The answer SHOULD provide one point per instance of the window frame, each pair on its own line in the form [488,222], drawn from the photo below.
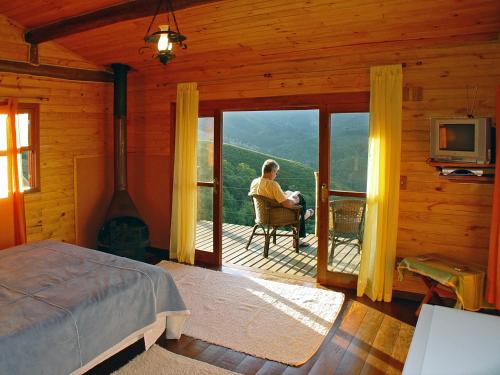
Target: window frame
[33,111]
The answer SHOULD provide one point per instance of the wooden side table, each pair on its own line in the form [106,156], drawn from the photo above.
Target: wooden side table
[463,282]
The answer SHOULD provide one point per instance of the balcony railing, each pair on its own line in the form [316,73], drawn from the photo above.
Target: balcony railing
[238,220]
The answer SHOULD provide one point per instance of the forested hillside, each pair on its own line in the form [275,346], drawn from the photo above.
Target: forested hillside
[240,167]
[291,138]
[293,135]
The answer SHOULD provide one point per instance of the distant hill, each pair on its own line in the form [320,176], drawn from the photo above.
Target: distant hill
[293,135]
[291,138]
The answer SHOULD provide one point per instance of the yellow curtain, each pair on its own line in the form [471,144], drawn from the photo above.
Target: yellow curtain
[493,274]
[12,216]
[184,195]
[382,194]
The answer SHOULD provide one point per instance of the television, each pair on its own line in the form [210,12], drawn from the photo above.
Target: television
[464,140]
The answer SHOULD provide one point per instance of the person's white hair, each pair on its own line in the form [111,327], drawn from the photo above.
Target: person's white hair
[269,166]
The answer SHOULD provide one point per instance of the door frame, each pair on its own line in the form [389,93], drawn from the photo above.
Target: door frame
[324,276]
[204,257]
[326,104]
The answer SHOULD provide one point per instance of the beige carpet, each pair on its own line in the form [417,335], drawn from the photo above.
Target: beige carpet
[277,321]
[158,361]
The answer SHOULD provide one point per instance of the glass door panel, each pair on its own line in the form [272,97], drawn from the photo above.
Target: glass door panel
[290,137]
[347,190]
[204,224]
[205,172]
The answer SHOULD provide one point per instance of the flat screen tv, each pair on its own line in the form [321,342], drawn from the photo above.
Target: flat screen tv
[464,140]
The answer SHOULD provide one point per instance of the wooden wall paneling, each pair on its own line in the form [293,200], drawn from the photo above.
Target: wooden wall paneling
[13,47]
[75,118]
[435,214]
[269,49]
[93,181]
[149,187]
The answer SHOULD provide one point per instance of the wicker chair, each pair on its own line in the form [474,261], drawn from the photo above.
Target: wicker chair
[347,224]
[269,216]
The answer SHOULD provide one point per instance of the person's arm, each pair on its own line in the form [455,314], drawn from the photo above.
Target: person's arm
[288,203]
[281,198]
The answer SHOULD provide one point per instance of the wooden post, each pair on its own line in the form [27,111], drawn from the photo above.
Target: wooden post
[33,54]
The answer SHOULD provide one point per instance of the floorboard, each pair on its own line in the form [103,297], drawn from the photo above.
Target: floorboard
[367,338]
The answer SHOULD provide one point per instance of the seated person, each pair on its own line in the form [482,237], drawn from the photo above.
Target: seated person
[266,186]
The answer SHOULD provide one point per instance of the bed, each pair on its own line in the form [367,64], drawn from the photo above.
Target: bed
[65,308]
[450,341]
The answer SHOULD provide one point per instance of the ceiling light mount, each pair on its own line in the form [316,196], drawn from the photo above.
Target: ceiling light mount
[162,41]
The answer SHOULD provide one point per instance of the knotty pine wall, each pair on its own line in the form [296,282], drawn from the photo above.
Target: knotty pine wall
[435,215]
[75,119]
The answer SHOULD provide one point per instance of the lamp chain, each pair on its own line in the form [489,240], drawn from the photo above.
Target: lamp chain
[153,19]
[171,10]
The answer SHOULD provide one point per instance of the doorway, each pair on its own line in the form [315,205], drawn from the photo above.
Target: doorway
[290,137]
[247,132]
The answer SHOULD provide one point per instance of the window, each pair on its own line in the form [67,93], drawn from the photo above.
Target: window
[28,146]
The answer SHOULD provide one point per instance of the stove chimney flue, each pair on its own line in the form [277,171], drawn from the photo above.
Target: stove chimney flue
[121,203]
[124,232]
[120,125]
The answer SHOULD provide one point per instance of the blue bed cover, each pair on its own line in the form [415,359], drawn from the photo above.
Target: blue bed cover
[62,305]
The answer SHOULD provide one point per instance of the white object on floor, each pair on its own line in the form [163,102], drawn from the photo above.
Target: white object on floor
[158,361]
[451,341]
[268,319]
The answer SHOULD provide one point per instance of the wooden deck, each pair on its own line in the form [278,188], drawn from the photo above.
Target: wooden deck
[282,257]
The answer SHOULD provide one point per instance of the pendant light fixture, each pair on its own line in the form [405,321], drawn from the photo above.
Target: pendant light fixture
[163,40]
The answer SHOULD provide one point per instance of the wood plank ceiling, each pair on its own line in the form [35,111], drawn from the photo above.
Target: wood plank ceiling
[242,31]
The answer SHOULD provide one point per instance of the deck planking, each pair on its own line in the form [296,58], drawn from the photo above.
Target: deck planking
[282,256]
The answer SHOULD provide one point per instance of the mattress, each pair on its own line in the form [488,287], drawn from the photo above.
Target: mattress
[451,342]
[62,305]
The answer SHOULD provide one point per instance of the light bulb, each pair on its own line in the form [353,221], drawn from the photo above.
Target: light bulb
[163,42]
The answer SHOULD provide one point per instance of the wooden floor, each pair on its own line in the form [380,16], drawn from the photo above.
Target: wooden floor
[365,341]
[367,338]
[282,257]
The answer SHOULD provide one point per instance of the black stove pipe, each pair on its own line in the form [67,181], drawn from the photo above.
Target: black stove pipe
[121,203]
[120,125]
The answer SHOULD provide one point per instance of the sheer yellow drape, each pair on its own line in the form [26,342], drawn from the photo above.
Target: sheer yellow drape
[382,194]
[12,216]
[184,196]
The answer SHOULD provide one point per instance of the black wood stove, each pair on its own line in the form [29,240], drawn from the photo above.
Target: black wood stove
[124,233]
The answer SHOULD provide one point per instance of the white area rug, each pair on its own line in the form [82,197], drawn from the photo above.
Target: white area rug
[268,319]
[158,361]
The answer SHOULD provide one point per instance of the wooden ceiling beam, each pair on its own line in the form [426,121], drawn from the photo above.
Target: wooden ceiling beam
[103,17]
[73,74]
